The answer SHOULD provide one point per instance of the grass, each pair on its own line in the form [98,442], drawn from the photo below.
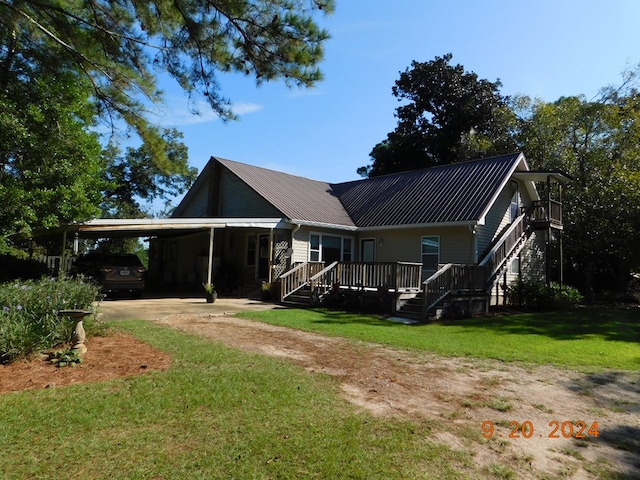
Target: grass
[586,339]
[217,413]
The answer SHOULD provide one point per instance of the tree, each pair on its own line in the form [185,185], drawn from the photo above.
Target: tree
[449,115]
[65,64]
[597,143]
[138,175]
[117,45]
[50,166]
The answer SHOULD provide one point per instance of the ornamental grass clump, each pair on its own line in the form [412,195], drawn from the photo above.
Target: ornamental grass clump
[29,314]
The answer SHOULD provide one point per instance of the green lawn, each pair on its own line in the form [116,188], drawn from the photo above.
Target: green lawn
[586,339]
[217,413]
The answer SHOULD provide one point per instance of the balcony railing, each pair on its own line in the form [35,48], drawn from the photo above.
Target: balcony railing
[548,212]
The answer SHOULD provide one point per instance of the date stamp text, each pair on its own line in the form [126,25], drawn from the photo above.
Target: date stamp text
[556,429]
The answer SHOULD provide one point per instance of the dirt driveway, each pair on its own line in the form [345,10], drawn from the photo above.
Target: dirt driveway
[455,395]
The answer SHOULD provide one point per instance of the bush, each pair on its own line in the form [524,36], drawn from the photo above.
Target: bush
[29,319]
[538,295]
[13,268]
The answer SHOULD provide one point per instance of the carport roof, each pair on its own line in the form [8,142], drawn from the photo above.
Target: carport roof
[143,227]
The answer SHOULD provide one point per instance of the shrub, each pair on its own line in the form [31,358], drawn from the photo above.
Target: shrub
[29,318]
[13,268]
[538,295]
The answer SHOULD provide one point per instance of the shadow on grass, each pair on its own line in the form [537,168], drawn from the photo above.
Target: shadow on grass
[340,317]
[610,323]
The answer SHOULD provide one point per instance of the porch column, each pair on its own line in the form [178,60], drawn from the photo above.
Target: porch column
[270,275]
[210,269]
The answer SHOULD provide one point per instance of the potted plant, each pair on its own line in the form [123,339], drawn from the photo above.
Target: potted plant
[210,292]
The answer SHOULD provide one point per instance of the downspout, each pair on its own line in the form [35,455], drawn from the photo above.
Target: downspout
[293,236]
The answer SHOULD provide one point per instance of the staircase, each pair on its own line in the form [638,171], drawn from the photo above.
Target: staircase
[412,308]
[468,287]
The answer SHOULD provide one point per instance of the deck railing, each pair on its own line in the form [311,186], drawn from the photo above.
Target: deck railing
[296,278]
[453,278]
[396,276]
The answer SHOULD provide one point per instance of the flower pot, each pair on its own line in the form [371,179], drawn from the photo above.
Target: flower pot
[211,297]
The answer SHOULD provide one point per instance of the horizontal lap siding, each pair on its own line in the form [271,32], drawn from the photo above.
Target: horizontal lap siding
[241,201]
[199,205]
[456,245]
[495,221]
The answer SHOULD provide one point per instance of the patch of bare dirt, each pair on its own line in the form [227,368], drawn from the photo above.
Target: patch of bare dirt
[458,395]
[116,356]
[454,395]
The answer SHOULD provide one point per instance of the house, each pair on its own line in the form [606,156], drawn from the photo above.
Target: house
[426,234]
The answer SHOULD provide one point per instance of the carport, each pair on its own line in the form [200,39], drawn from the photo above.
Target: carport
[159,228]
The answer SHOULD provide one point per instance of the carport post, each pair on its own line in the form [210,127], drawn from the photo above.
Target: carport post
[64,244]
[210,270]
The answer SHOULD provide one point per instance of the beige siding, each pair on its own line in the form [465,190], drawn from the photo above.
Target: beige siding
[456,245]
[239,200]
[495,221]
[198,205]
[532,258]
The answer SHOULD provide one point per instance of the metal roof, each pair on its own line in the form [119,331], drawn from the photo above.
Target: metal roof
[300,199]
[459,193]
[455,193]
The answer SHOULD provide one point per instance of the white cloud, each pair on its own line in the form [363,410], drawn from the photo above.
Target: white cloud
[180,113]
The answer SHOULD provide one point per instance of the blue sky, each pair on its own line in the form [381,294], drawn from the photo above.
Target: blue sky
[541,48]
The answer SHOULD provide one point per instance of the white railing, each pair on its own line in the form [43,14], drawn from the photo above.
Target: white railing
[296,278]
[453,278]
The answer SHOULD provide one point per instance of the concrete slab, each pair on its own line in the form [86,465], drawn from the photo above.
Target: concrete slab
[153,308]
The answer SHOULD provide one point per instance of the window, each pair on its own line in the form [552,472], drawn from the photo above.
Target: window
[314,248]
[430,253]
[251,250]
[515,266]
[330,248]
[514,206]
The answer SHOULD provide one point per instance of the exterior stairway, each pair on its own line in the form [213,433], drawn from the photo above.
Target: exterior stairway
[412,309]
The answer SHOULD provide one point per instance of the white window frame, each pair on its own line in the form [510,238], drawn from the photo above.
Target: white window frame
[342,239]
[422,254]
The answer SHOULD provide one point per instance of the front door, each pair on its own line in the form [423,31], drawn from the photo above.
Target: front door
[263,257]
[368,250]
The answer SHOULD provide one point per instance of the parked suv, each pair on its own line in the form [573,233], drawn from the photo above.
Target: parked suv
[115,273]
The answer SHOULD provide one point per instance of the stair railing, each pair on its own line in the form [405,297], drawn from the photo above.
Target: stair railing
[452,278]
[511,243]
[322,282]
[298,277]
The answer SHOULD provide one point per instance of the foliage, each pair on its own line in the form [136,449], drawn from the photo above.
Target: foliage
[118,46]
[29,319]
[50,166]
[12,268]
[209,287]
[141,175]
[66,357]
[585,338]
[448,115]
[536,294]
[597,143]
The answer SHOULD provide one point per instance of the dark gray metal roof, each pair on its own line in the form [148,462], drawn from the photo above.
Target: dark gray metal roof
[455,193]
[298,198]
[460,192]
